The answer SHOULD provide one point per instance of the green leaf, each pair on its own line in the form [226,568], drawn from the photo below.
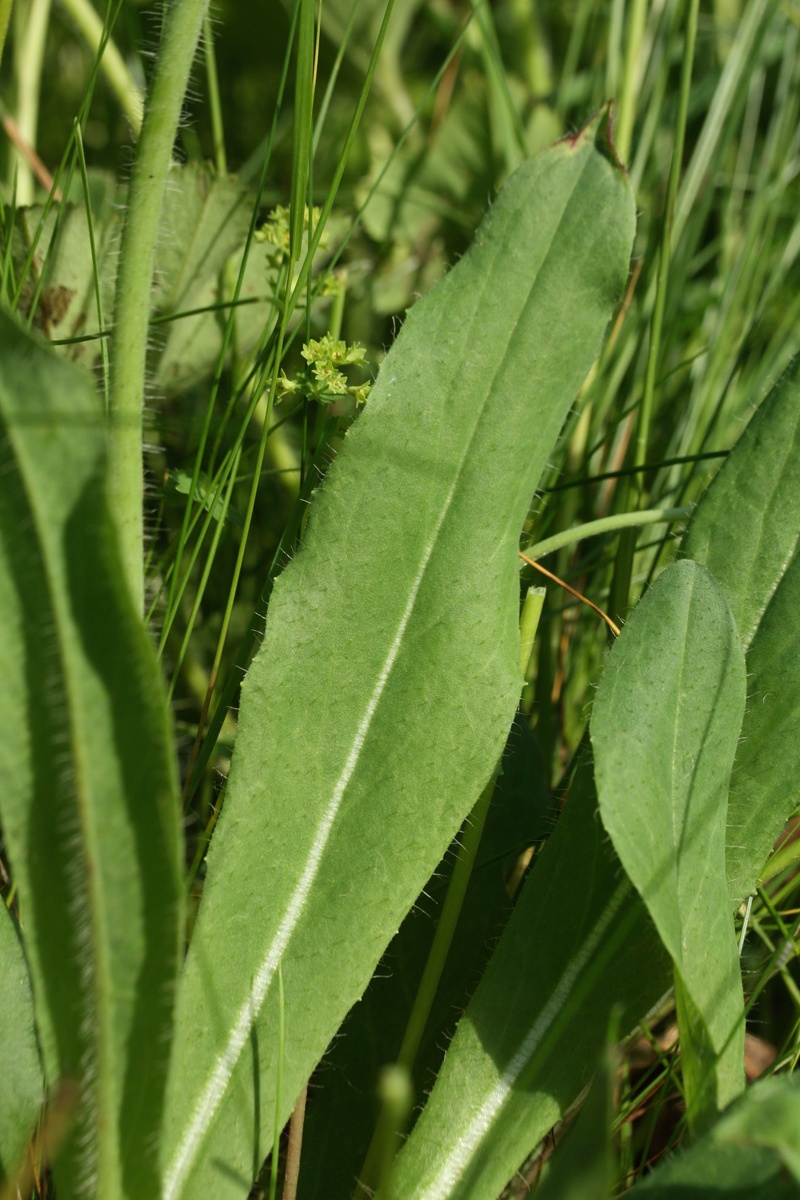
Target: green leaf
[180,483]
[746,530]
[88,806]
[22,1091]
[205,221]
[67,306]
[764,785]
[579,946]
[382,695]
[664,729]
[343,1105]
[752,1153]
[204,226]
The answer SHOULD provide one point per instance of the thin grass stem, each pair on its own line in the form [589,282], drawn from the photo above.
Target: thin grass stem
[98,300]
[96,34]
[665,248]
[214,103]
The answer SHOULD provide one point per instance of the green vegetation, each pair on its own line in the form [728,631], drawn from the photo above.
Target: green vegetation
[308,779]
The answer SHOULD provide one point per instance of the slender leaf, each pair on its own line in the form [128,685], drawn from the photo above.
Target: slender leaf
[746,531]
[752,1153]
[88,805]
[22,1092]
[665,725]
[578,947]
[344,1105]
[583,1167]
[382,695]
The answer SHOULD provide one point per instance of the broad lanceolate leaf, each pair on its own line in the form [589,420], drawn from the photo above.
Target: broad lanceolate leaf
[578,947]
[88,806]
[21,1083]
[664,729]
[383,693]
[752,1153]
[746,530]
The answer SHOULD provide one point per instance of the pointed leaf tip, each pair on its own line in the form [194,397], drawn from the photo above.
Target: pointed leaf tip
[600,130]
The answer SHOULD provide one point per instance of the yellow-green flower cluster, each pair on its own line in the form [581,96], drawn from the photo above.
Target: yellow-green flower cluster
[275,230]
[323,379]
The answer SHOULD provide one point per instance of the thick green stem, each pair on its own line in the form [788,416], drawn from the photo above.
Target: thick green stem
[182,25]
[612,524]
[529,619]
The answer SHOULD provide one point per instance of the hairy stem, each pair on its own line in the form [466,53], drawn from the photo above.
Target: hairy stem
[182,25]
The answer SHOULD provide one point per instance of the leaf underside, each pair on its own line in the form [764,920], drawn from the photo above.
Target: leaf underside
[665,725]
[746,530]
